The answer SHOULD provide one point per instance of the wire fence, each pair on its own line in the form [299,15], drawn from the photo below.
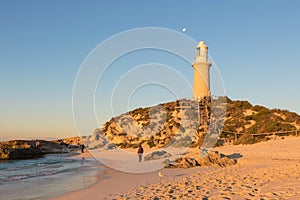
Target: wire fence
[277,133]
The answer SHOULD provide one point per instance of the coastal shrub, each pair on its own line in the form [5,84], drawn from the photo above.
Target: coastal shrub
[234,123]
[135,145]
[242,104]
[248,139]
[297,120]
[219,143]
[262,115]
[125,145]
[253,129]
[290,116]
[228,114]
[151,143]
[258,108]
[122,145]
[228,100]
[270,126]
[249,117]
[228,127]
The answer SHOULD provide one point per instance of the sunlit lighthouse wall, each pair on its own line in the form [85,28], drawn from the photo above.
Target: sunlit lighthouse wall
[201,67]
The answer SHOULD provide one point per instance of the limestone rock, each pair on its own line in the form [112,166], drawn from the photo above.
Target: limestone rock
[48,147]
[213,158]
[20,153]
[25,149]
[95,141]
[183,162]
[157,155]
[110,146]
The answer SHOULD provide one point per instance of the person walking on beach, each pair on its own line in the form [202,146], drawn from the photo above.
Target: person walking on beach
[82,147]
[140,153]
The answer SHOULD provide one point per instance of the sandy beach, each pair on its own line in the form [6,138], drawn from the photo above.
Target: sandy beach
[266,170]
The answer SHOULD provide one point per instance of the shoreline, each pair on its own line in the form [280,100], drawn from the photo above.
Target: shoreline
[46,177]
[121,182]
[261,172]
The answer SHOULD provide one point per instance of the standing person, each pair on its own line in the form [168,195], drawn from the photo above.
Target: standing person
[82,147]
[37,143]
[140,152]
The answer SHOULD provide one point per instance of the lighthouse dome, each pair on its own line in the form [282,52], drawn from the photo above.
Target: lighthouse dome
[201,44]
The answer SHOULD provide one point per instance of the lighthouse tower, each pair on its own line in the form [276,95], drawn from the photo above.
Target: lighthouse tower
[201,67]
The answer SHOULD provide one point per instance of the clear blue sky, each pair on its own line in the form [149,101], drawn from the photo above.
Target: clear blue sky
[255,44]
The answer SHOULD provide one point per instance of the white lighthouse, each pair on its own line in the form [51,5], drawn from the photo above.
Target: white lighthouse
[201,67]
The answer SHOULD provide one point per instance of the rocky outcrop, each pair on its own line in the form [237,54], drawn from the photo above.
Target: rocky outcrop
[26,149]
[76,141]
[97,140]
[172,124]
[16,144]
[157,155]
[48,147]
[213,158]
[157,126]
[110,146]
[20,153]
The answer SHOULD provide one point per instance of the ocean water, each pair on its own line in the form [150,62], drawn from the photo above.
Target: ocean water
[45,177]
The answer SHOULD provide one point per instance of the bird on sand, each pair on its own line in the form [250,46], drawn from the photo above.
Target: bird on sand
[160,175]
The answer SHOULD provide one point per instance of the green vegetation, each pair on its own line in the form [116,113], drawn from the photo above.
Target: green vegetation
[151,143]
[242,104]
[258,108]
[263,115]
[270,126]
[262,120]
[125,145]
[248,139]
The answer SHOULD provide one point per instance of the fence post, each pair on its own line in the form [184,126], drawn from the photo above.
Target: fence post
[235,137]
[296,132]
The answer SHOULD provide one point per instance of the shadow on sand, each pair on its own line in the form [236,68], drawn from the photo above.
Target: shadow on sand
[235,156]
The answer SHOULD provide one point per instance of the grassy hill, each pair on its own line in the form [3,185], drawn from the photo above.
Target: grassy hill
[241,116]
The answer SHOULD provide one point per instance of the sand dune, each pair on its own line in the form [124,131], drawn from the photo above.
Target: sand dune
[267,170]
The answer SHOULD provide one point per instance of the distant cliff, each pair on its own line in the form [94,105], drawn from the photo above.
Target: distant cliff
[159,125]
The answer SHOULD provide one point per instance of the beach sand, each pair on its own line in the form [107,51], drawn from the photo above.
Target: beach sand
[266,170]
